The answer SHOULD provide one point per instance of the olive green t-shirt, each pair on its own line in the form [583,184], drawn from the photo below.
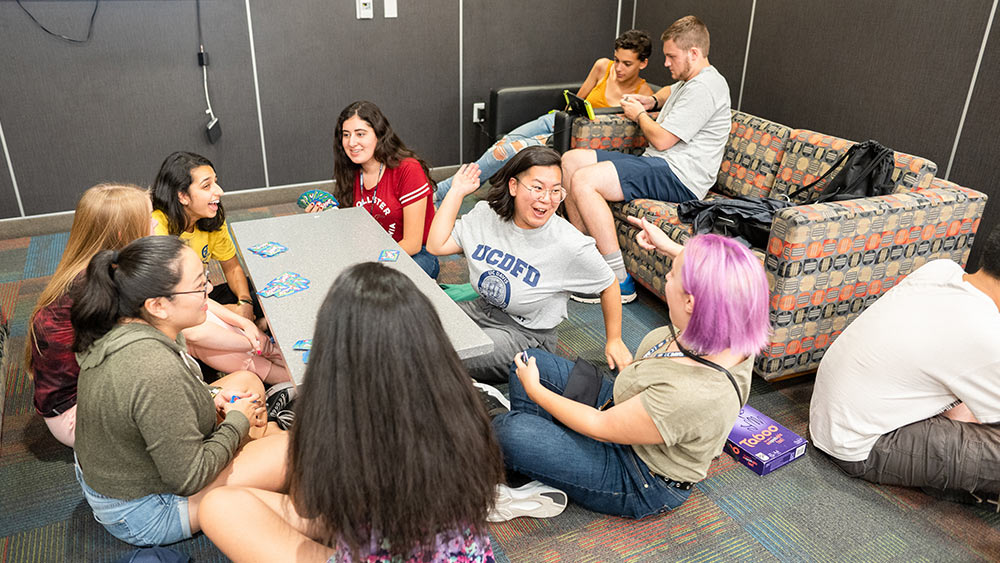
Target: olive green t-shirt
[693,407]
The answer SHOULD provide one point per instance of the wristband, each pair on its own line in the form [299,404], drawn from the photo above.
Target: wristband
[656,104]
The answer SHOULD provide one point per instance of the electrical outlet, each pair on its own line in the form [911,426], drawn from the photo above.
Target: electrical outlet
[478,112]
[366,10]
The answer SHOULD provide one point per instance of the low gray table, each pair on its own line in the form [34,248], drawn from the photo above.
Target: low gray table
[320,247]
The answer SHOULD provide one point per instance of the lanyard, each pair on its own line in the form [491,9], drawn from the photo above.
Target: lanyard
[661,344]
[378,178]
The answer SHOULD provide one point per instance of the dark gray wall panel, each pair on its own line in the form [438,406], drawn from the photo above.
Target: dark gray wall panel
[979,147]
[896,71]
[75,115]
[529,42]
[316,59]
[8,200]
[727,20]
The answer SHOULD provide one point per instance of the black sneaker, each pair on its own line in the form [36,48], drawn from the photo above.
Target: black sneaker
[494,401]
[279,398]
[991,503]
[285,419]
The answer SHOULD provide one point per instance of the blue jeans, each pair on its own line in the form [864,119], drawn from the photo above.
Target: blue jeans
[427,262]
[150,520]
[603,477]
[534,132]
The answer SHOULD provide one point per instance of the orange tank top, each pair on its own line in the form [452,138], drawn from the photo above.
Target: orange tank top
[596,96]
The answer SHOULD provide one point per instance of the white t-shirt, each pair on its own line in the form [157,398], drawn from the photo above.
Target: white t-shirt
[529,273]
[698,113]
[925,345]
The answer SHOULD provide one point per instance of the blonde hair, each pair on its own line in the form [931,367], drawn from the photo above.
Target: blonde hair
[108,217]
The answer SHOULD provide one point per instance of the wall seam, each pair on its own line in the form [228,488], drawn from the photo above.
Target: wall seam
[461,80]
[618,20]
[746,56]
[10,169]
[256,92]
[972,86]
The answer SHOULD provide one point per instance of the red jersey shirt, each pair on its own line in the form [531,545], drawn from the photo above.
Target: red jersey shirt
[399,187]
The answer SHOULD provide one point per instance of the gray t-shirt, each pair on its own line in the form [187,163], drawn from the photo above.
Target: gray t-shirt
[529,273]
[698,113]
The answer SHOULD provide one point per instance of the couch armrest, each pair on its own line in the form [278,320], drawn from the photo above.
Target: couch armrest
[512,107]
[826,263]
[609,131]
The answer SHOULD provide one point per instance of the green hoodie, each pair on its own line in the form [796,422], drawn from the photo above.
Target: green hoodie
[145,420]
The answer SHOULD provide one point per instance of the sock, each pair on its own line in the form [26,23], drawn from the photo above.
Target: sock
[617,264]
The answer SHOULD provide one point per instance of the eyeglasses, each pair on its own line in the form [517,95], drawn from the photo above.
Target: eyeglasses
[555,194]
[205,289]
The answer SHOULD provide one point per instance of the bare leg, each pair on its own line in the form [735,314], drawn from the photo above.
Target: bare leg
[248,381]
[260,464]
[571,162]
[593,187]
[269,528]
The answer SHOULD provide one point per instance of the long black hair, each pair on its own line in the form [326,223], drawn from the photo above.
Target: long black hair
[118,283]
[389,150]
[499,196]
[391,438]
[174,177]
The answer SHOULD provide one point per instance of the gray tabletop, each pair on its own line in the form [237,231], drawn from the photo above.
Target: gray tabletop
[320,247]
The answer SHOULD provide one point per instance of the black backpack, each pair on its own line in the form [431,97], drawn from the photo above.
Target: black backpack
[866,172]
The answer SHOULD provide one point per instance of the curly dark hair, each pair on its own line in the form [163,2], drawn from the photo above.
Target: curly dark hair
[635,40]
[389,150]
[392,438]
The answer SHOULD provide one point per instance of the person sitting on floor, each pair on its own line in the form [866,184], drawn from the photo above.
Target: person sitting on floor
[107,217]
[187,203]
[186,199]
[639,446]
[149,440]
[604,87]
[391,456]
[909,393]
[374,170]
[686,145]
[524,261]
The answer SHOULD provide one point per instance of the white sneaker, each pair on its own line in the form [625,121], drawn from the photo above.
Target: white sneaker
[534,499]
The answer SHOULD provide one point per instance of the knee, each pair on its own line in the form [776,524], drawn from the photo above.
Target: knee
[247,380]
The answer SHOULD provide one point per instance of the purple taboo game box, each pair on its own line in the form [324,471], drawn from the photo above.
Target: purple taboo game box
[762,444]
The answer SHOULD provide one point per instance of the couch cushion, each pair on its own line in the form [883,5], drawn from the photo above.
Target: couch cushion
[808,155]
[753,155]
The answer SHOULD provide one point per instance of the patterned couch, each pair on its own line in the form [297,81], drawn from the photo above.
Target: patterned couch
[825,263]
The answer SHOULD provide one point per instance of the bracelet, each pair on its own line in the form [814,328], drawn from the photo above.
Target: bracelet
[214,390]
[656,104]
[242,301]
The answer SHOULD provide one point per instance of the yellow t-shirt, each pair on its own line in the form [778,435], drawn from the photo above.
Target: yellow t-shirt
[216,244]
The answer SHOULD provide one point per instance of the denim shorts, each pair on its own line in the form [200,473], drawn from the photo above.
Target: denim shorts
[150,520]
[646,177]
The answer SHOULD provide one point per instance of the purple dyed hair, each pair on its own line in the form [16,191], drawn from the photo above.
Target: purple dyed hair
[730,296]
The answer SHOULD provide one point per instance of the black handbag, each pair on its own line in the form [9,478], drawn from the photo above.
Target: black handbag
[742,217]
[866,172]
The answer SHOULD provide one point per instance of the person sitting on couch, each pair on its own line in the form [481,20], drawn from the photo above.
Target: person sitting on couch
[909,393]
[686,145]
[604,87]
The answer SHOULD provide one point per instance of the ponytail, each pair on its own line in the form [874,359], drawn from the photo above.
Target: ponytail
[117,285]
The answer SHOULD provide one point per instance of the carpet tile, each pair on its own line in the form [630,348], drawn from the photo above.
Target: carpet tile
[805,511]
